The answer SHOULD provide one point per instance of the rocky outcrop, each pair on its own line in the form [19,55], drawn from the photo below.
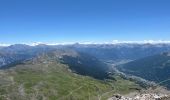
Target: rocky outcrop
[148,96]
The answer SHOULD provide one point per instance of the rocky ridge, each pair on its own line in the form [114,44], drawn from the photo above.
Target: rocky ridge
[149,96]
[159,93]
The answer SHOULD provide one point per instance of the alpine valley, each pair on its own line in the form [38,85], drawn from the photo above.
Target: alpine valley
[82,71]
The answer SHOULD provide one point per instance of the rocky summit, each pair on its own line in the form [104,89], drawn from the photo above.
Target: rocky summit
[148,96]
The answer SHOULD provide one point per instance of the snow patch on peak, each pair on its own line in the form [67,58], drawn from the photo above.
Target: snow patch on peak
[4,45]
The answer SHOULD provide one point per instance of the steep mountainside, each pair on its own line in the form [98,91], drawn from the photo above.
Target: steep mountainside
[154,68]
[118,52]
[46,77]
[81,63]
[85,64]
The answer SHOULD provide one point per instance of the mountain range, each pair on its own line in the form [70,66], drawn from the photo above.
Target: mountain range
[61,74]
[79,71]
[105,52]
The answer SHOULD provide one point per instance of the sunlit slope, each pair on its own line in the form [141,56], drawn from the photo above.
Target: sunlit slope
[45,78]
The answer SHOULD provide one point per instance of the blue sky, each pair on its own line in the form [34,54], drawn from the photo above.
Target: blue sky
[26,21]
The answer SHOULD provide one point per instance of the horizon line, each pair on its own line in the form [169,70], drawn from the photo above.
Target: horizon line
[88,43]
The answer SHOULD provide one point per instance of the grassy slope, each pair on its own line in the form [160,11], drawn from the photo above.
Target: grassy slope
[54,81]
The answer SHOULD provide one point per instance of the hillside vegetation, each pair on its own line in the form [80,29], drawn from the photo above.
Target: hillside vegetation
[46,78]
[153,68]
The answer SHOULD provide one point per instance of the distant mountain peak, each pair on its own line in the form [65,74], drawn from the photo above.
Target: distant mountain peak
[114,42]
[141,42]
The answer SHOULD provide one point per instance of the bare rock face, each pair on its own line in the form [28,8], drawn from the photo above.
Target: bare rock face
[148,96]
